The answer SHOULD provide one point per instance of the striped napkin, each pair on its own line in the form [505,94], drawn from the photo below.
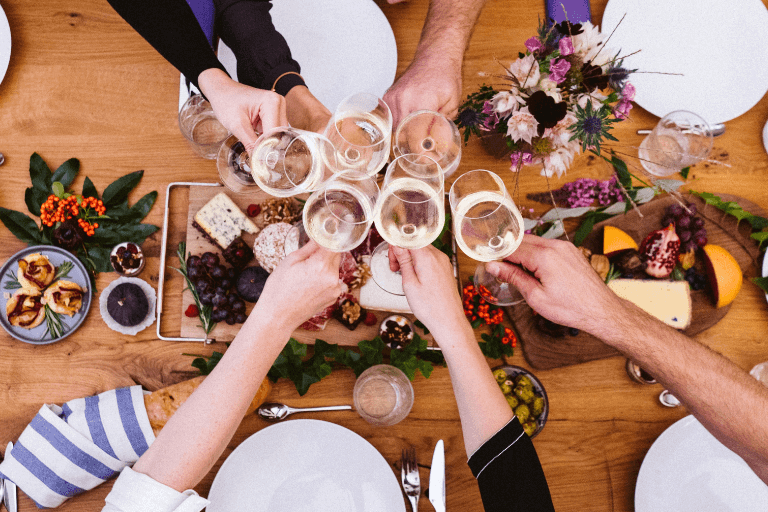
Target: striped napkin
[68,450]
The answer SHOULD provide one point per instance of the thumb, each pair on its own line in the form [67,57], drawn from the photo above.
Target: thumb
[405,260]
[513,275]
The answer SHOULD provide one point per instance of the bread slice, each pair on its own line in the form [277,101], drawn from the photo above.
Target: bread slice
[221,221]
[669,301]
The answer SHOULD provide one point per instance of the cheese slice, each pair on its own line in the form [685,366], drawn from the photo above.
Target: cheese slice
[223,221]
[669,301]
[374,298]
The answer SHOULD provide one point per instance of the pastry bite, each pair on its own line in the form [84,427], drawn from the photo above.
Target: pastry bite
[25,308]
[64,297]
[35,272]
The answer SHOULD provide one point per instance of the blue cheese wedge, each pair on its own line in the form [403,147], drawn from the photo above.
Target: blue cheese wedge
[669,301]
[222,221]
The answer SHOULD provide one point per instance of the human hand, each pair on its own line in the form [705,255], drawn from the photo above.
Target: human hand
[304,283]
[430,288]
[243,110]
[564,288]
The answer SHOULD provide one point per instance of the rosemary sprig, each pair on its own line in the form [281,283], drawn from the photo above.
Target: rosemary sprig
[53,323]
[63,270]
[13,283]
[203,312]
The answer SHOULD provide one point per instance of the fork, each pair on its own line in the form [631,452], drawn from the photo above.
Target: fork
[409,476]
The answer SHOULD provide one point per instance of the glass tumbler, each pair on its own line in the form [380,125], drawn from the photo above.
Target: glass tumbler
[200,127]
[383,395]
[678,140]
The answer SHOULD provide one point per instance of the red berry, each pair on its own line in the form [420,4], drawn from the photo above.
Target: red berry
[370,319]
[253,210]
[132,248]
[191,311]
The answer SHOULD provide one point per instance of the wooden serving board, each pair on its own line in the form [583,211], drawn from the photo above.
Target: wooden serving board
[544,352]
[334,331]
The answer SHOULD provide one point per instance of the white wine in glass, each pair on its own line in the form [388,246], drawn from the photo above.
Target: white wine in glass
[339,215]
[430,133]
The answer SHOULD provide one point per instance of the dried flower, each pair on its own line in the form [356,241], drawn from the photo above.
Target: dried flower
[525,72]
[506,102]
[558,69]
[523,125]
[566,46]
[546,110]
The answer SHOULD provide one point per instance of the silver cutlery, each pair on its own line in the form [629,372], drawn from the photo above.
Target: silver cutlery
[437,478]
[409,477]
[2,159]
[667,399]
[716,130]
[273,411]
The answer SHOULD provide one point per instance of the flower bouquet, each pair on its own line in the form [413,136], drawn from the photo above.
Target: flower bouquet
[560,97]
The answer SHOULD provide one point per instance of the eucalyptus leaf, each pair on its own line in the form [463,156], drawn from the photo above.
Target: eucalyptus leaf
[118,191]
[555,231]
[529,224]
[21,226]
[67,172]
[644,195]
[669,185]
[89,189]
[565,213]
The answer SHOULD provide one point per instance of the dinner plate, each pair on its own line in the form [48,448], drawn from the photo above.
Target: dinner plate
[719,47]
[78,275]
[765,265]
[5,43]
[305,465]
[688,470]
[765,136]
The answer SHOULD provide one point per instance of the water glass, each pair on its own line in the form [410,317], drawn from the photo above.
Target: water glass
[200,127]
[680,139]
[383,395]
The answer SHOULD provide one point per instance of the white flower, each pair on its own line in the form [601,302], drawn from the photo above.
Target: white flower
[600,56]
[558,162]
[526,71]
[587,41]
[505,102]
[522,125]
[596,96]
[560,135]
[551,88]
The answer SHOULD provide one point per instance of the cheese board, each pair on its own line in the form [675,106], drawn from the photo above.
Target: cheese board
[543,351]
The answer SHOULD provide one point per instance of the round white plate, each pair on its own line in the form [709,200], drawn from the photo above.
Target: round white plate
[305,466]
[688,470]
[765,254]
[719,46]
[342,46]
[765,136]
[5,43]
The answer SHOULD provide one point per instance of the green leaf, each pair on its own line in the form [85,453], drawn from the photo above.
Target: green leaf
[67,172]
[684,172]
[677,274]
[40,173]
[34,198]
[762,282]
[421,326]
[625,178]
[141,208]
[761,238]
[21,226]
[58,189]
[118,191]
[99,256]
[113,234]
[89,189]
[587,224]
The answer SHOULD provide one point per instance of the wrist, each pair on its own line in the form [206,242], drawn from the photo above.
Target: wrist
[212,80]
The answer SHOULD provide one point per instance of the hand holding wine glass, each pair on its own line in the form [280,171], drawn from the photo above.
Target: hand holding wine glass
[429,133]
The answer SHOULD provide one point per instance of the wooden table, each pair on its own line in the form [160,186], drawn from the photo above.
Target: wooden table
[82,84]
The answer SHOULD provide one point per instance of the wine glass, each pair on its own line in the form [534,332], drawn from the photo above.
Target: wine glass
[200,127]
[680,139]
[410,213]
[232,164]
[339,215]
[361,131]
[429,133]
[487,226]
[286,161]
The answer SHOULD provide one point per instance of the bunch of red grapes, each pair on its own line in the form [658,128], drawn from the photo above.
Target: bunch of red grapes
[688,227]
[214,285]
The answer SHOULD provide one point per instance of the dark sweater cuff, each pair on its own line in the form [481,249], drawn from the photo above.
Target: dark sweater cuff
[287,82]
[502,440]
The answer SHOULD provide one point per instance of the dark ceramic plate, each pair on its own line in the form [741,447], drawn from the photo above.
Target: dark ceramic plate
[512,372]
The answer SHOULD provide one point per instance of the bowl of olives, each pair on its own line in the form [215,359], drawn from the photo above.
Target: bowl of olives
[525,395]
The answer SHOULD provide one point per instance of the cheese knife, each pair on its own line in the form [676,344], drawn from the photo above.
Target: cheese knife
[437,478]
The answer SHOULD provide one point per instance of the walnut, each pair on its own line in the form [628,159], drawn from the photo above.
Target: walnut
[361,275]
[280,209]
[601,265]
[350,311]
[586,252]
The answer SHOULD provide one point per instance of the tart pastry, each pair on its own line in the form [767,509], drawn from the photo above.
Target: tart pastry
[25,308]
[64,297]
[35,272]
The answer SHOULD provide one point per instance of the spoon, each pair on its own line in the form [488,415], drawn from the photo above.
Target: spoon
[716,130]
[273,411]
[2,159]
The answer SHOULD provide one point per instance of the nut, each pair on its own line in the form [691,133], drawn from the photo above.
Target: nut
[586,252]
[601,265]
[360,276]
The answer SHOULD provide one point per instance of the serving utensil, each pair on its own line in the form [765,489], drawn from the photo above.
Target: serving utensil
[273,411]
[409,477]
[716,130]
[437,478]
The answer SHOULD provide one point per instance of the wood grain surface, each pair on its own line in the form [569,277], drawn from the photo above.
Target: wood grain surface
[81,83]
[545,352]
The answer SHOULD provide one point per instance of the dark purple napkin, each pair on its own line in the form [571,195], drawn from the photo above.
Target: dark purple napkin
[577,10]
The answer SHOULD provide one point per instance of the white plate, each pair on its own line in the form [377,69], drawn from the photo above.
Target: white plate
[765,254]
[305,466]
[687,469]
[718,45]
[5,43]
[342,46]
[765,136]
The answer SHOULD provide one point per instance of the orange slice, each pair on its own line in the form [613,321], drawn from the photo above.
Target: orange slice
[615,240]
[724,274]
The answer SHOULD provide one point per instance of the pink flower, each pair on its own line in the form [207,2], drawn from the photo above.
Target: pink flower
[557,70]
[622,108]
[533,44]
[628,92]
[518,157]
[492,118]
[522,126]
[566,46]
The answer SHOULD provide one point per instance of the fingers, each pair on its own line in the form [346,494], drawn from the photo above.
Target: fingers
[271,112]
[394,266]
[514,275]
[303,253]
[405,260]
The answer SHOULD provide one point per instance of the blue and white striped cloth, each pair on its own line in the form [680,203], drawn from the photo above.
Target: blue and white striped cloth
[68,450]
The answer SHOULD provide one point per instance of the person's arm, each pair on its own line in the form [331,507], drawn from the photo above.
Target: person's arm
[501,455]
[433,79]
[726,400]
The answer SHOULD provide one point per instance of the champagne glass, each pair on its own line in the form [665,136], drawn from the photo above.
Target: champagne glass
[361,131]
[410,213]
[286,161]
[339,215]
[487,226]
[428,133]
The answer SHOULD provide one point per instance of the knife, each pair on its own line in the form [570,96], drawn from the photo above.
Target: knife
[10,488]
[437,478]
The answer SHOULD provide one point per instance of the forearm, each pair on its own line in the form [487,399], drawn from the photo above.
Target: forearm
[447,30]
[200,430]
[305,111]
[482,407]
[726,400]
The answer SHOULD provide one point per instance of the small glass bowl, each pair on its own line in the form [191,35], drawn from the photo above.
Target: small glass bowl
[118,263]
[401,322]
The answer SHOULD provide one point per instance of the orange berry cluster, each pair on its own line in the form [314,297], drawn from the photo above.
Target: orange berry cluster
[509,337]
[475,308]
[55,210]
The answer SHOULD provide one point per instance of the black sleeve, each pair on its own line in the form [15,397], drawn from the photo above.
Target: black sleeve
[509,473]
[262,53]
[171,28]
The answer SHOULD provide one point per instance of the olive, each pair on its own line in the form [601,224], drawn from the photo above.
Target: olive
[537,406]
[530,428]
[512,401]
[523,413]
[500,375]
[523,380]
[505,388]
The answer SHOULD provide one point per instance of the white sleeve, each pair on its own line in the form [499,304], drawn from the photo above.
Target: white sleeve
[137,492]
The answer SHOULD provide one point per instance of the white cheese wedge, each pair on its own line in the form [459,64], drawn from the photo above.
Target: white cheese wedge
[374,298]
[223,221]
[669,301]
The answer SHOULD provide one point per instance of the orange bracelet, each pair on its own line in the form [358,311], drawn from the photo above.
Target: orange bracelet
[274,85]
